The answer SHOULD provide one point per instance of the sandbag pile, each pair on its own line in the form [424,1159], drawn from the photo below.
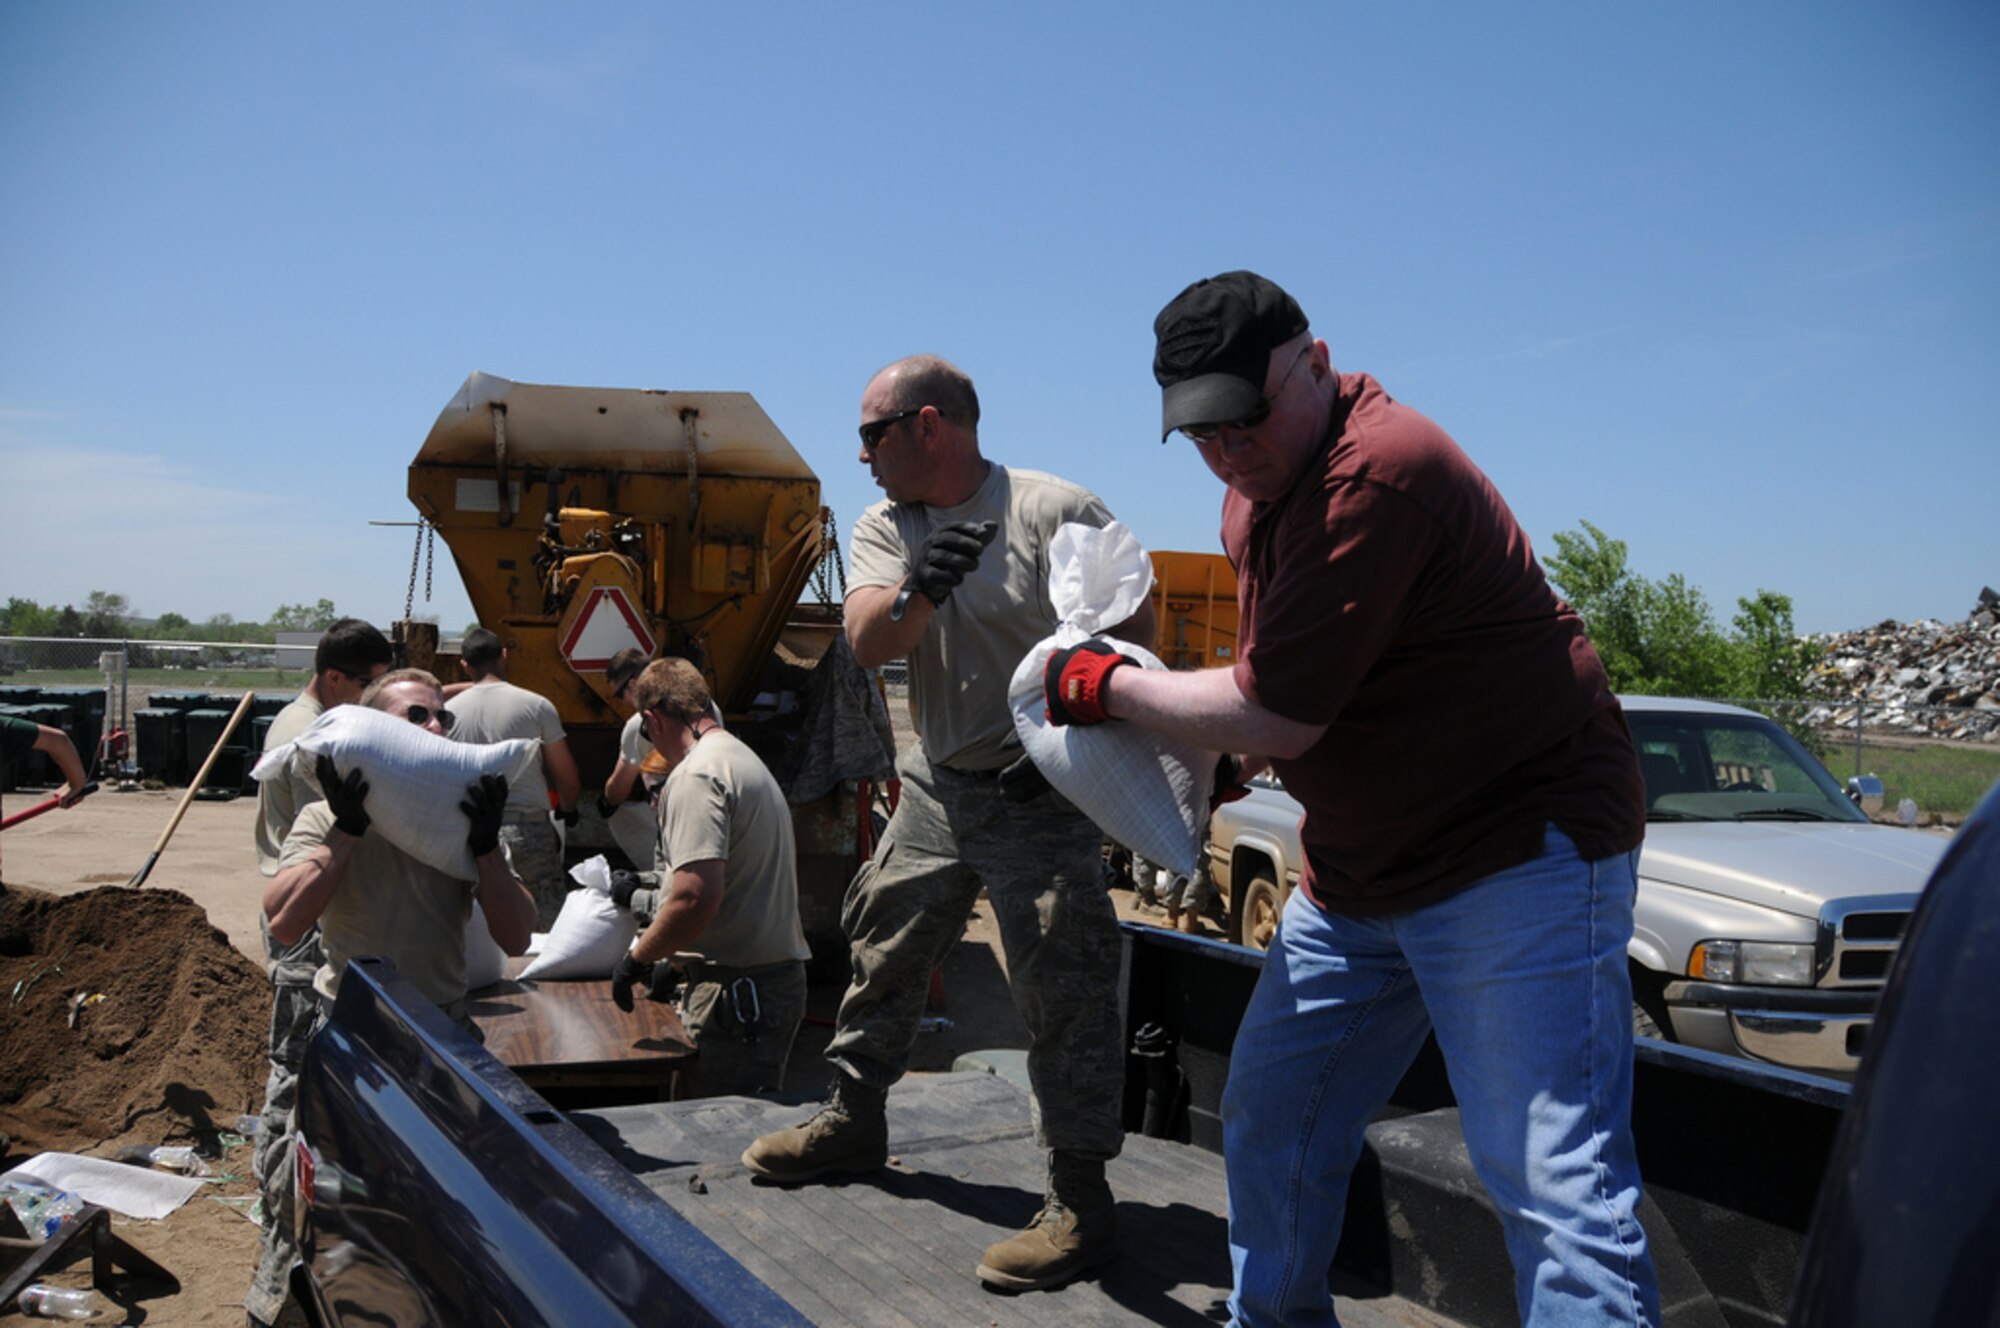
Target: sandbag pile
[1927,677]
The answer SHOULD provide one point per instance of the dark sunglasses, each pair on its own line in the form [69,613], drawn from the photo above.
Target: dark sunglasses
[871,432]
[1207,434]
[421,714]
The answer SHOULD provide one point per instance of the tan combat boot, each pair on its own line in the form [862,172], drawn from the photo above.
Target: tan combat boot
[1076,1230]
[849,1134]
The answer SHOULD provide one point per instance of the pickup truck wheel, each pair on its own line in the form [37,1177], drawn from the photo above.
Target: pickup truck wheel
[1257,913]
[1649,1006]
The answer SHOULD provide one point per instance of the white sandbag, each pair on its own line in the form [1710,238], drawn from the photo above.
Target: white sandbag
[589,937]
[485,961]
[1145,790]
[416,779]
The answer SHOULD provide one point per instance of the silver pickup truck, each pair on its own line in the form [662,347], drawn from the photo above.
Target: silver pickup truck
[1769,904]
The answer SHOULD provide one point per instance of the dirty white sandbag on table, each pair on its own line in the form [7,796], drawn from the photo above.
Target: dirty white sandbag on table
[1145,790]
[591,933]
[485,961]
[416,779]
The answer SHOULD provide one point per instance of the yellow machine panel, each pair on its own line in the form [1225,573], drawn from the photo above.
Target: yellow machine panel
[586,519]
[1194,609]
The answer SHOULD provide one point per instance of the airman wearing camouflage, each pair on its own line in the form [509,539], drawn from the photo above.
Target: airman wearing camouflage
[951,573]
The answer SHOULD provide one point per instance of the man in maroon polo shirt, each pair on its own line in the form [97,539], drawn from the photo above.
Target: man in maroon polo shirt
[1473,811]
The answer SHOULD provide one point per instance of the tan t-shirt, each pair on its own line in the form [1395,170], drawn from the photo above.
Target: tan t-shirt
[496,711]
[280,796]
[387,904]
[721,804]
[959,671]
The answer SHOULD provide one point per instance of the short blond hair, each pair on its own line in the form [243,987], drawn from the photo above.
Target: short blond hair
[394,676]
[675,688]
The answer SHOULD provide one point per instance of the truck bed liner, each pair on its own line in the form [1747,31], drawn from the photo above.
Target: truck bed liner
[899,1247]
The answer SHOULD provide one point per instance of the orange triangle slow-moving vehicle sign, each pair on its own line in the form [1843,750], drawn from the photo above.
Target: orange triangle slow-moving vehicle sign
[606,624]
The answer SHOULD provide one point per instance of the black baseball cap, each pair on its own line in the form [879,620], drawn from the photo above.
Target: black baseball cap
[1215,344]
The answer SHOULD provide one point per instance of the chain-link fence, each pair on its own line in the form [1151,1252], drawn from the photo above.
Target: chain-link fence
[1939,759]
[148,711]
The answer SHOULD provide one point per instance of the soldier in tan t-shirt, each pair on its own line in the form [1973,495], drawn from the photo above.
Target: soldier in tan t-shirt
[493,710]
[728,915]
[952,573]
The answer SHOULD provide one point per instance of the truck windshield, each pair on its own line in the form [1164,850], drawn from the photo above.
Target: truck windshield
[1725,767]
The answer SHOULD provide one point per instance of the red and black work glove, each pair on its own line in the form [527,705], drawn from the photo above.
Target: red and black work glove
[1075,682]
[344,796]
[947,555]
[485,806]
[631,972]
[1229,785]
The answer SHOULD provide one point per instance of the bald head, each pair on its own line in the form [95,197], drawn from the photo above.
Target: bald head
[916,381]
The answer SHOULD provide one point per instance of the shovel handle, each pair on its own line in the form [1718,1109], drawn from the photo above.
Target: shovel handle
[194,787]
[31,813]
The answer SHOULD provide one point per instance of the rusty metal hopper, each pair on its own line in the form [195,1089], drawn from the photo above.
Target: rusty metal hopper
[582,518]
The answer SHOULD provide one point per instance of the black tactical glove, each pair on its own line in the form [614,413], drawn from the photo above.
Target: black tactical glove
[486,805]
[344,797]
[569,818]
[1023,781]
[629,974]
[623,883]
[605,806]
[1229,785]
[947,554]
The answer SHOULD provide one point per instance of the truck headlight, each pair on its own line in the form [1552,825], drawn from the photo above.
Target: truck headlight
[1762,963]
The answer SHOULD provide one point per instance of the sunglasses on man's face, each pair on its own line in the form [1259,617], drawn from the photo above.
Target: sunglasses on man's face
[1209,434]
[873,431]
[422,714]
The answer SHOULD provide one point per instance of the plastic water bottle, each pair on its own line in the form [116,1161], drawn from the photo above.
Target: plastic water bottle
[46,1302]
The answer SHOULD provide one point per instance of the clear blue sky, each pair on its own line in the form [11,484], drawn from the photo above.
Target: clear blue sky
[1719,278]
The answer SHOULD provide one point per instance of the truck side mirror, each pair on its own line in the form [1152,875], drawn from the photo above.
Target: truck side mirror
[1865,791]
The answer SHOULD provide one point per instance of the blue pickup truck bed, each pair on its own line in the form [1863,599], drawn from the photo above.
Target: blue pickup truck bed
[897,1249]
[440,1189]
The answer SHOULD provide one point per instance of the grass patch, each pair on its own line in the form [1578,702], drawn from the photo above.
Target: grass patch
[1949,780]
[169,680]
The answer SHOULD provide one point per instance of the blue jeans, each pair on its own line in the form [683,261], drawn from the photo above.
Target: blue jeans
[1523,977]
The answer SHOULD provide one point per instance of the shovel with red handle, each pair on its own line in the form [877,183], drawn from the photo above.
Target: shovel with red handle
[49,806]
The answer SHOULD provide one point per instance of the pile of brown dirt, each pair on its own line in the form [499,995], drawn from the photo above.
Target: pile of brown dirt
[173,1053]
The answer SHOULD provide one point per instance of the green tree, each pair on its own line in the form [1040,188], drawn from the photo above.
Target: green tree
[24,617]
[1660,638]
[104,614]
[304,617]
[171,626]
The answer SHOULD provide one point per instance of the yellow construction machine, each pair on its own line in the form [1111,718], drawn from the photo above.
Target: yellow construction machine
[585,520]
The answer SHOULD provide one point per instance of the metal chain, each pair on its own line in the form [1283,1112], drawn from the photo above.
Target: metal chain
[829,538]
[417,555]
[430,553]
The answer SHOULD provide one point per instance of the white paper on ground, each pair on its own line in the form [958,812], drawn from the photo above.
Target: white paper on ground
[131,1191]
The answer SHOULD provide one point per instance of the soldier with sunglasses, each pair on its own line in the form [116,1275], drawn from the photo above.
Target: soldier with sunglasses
[365,896]
[951,572]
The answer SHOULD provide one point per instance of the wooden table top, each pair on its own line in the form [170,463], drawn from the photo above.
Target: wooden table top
[571,1033]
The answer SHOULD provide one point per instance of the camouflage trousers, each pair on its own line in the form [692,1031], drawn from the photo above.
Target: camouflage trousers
[743,1023]
[537,856]
[294,1018]
[1040,865]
